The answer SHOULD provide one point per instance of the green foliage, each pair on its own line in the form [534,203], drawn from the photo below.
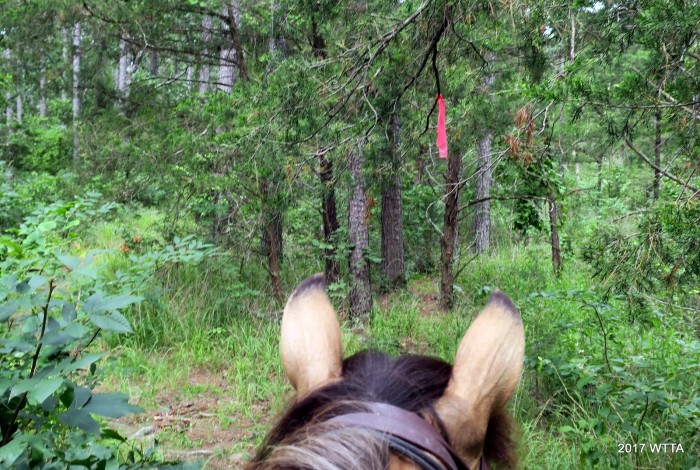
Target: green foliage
[39,145]
[47,371]
[659,254]
[614,382]
[53,306]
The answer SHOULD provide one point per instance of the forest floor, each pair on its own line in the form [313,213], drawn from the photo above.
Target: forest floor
[193,413]
[185,418]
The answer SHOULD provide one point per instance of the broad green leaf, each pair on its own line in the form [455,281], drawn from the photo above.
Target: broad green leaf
[23,287]
[115,321]
[47,226]
[80,396]
[117,302]
[111,405]
[75,329]
[37,281]
[71,262]
[9,453]
[37,389]
[14,248]
[582,382]
[109,433]
[86,271]
[45,389]
[80,419]
[8,309]
[68,312]
[93,302]
[83,362]
[57,338]
[5,385]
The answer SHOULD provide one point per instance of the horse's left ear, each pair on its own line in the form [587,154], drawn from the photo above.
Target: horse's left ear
[311,345]
[484,376]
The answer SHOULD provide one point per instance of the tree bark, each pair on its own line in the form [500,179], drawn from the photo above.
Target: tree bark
[42,92]
[77,99]
[272,238]
[272,216]
[393,266]
[482,223]
[556,249]
[227,61]
[153,66]
[231,58]
[122,74]
[360,291]
[657,153]
[328,204]
[20,107]
[9,110]
[450,231]
[330,219]
[65,42]
[205,70]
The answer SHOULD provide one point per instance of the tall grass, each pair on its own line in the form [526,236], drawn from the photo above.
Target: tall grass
[594,377]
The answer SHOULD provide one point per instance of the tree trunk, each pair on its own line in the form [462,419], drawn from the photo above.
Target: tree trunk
[42,92]
[450,231]
[231,58]
[227,65]
[358,234]
[122,74]
[153,66]
[556,250]
[330,219]
[599,163]
[272,217]
[657,153]
[189,73]
[9,110]
[328,205]
[393,266]
[65,42]
[77,100]
[20,107]
[482,223]
[205,70]
[272,238]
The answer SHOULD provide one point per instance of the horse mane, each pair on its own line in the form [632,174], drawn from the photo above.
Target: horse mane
[302,438]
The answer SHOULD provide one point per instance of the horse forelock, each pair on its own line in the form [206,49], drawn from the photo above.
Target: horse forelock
[302,438]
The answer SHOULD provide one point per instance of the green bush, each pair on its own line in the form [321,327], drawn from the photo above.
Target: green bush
[39,144]
[53,307]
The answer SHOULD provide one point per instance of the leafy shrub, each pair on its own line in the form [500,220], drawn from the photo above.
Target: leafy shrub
[660,253]
[610,382]
[39,144]
[53,307]
[47,372]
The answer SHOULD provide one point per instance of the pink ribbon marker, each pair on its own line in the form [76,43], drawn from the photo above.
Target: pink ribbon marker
[441,131]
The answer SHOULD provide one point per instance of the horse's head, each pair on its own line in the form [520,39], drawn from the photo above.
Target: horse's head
[371,411]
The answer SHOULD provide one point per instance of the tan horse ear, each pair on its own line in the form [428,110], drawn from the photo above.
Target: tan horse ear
[484,376]
[311,345]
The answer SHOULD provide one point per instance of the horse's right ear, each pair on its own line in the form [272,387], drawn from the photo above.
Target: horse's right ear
[310,344]
[484,376]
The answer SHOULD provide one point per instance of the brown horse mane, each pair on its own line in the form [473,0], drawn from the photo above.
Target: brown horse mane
[411,382]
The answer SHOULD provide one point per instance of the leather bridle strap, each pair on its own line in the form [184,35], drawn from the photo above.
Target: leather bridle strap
[406,426]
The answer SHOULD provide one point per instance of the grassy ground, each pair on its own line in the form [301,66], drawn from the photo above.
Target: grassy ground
[209,375]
